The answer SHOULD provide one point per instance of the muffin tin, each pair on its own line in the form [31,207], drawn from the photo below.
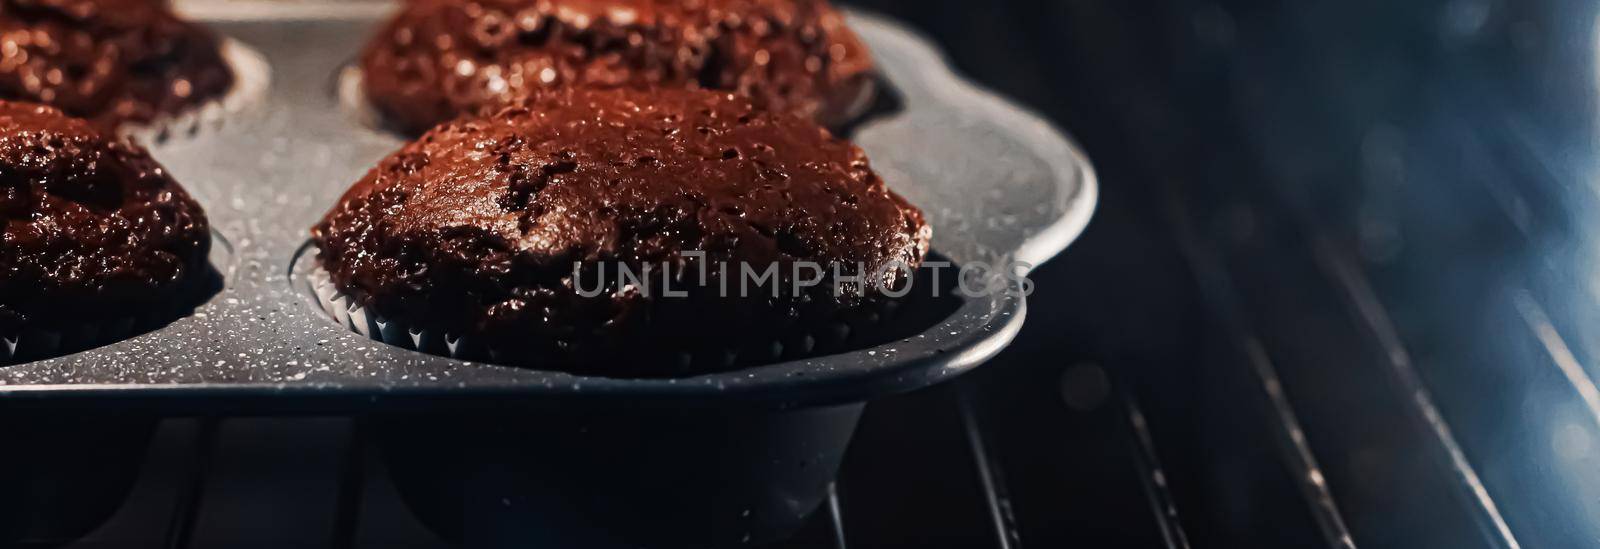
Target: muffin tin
[719,460]
[997,183]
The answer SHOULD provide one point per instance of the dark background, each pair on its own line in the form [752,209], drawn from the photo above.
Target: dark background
[1341,262]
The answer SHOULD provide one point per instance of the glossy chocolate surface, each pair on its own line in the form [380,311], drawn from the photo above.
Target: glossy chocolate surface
[477,227]
[441,58]
[93,225]
[112,61]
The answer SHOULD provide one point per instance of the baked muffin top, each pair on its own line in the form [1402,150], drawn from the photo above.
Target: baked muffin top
[437,59]
[480,225]
[93,225]
[111,61]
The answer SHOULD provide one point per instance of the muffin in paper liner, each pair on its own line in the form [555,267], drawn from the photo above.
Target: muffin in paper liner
[353,102]
[473,226]
[434,60]
[799,342]
[103,242]
[252,75]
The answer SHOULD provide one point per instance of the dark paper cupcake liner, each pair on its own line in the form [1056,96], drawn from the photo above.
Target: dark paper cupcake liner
[40,343]
[806,340]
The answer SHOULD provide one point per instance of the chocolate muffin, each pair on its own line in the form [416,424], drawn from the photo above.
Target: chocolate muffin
[512,230]
[95,230]
[441,58]
[111,61]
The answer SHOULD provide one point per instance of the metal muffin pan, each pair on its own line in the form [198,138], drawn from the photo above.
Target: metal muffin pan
[998,185]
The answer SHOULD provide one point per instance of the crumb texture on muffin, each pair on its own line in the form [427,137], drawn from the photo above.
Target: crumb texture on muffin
[478,225]
[93,225]
[111,61]
[440,58]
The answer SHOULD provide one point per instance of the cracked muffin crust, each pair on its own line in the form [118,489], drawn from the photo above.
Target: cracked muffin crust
[111,61]
[438,59]
[495,227]
[94,228]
